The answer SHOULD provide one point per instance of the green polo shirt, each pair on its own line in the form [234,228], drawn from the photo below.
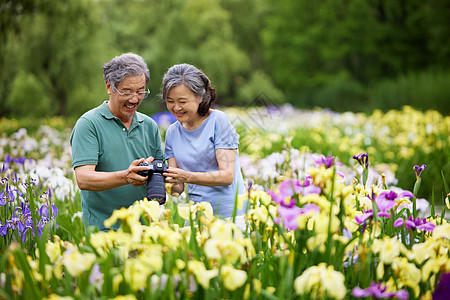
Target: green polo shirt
[99,138]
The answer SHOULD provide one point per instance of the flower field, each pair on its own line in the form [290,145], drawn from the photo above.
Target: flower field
[339,206]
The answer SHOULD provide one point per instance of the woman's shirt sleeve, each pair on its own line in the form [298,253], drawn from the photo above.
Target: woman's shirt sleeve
[225,134]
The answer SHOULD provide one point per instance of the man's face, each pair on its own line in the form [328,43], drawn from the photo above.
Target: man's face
[123,106]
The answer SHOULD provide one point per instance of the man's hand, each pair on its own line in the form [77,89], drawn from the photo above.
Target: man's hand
[132,175]
[91,180]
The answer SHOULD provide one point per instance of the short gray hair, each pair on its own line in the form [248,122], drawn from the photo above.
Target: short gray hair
[194,79]
[122,66]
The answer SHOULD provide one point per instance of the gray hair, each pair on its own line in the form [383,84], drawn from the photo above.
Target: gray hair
[194,79]
[122,66]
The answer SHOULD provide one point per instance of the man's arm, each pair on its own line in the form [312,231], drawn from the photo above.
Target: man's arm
[91,180]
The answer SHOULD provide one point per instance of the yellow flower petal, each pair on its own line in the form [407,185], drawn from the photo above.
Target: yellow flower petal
[232,278]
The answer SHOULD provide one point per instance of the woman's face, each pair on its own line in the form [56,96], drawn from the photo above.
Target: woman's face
[183,104]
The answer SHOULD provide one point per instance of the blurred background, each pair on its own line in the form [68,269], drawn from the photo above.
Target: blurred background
[345,55]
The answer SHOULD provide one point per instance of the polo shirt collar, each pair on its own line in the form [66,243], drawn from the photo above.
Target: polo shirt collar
[107,114]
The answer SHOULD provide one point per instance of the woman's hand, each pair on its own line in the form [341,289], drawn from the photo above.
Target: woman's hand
[176,175]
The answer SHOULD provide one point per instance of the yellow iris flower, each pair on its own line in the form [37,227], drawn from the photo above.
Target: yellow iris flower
[202,275]
[76,262]
[320,280]
[232,278]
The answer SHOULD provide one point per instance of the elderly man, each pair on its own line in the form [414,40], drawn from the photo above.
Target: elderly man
[110,141]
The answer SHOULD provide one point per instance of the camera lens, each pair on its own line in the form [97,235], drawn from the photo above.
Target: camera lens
[156,188]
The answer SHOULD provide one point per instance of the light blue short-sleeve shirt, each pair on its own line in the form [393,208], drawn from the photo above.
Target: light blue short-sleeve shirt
[194,151]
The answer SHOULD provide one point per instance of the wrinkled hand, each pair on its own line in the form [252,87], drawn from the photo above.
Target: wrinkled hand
[131,174]
[176,175]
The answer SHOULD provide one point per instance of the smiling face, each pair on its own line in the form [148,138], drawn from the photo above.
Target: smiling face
[183,104]
[124,107]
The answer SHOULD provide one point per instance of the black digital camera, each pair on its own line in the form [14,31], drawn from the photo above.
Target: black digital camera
[156,189]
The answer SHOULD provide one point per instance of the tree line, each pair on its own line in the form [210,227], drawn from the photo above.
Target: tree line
[341,54]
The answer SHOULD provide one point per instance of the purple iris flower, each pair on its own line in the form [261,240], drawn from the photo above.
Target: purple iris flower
[3,229]
[19,160]
[46,217]
[363,160]
[2,198]
[8,159]
[419,169]
[278,198]
[289,214]
[306,187]
[21,220]
[362,218]
[383,207]
[378,292]
[442,291]
[391,195]
[418,223]
[10,193]
[12,223]
[324,160]
[399,222]
[290,187]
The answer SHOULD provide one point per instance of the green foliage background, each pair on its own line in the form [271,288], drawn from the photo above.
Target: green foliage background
[345,55]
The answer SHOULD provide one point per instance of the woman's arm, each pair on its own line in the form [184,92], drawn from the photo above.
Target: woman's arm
[226,159]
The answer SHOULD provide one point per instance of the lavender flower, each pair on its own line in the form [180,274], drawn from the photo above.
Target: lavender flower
[418,170]
[377,291]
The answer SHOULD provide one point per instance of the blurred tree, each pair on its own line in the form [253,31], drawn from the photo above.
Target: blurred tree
[169,32]
[316,45]
[308,44]
[331,53]
[56,47]
[247,18]
[438,30]
[10,15]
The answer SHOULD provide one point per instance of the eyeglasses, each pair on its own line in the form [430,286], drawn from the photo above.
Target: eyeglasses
[140,95]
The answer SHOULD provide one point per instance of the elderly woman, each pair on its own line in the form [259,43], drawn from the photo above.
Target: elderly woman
[202,145]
